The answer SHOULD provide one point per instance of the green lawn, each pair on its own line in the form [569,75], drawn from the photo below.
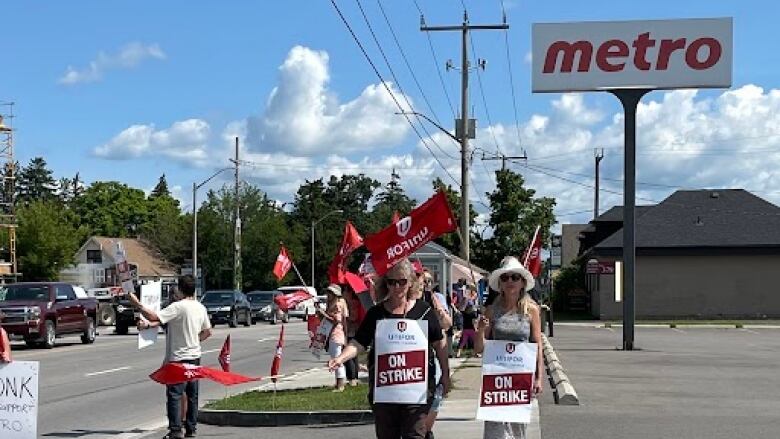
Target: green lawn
[320,398]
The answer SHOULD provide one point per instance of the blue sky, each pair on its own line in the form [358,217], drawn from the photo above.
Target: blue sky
[131,90]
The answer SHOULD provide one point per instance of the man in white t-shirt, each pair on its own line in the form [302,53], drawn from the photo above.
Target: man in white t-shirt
[188,325]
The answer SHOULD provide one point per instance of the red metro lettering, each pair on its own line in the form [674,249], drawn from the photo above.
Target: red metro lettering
[506,389]
[611,55]
[400,368]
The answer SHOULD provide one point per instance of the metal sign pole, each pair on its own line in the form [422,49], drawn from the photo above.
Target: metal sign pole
[630,99]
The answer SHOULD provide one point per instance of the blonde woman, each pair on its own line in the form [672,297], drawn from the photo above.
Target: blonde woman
[513,316]
[399,287]
[337,312]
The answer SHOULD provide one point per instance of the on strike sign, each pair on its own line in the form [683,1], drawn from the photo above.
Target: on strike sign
[401,361]
[507,381]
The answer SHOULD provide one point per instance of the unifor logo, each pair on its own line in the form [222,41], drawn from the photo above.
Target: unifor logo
[402,326]
[404,225]
[510,348]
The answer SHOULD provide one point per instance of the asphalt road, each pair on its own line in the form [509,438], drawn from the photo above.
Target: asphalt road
[693,383]
[103,390]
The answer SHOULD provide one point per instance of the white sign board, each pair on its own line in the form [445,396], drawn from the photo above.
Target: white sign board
[19,400]
[508,369]
[319,342]
[123,269]
[401,361]
[655,54]
[151,296]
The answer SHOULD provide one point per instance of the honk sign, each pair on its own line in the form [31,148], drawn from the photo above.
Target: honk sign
[401,361]
[507,381]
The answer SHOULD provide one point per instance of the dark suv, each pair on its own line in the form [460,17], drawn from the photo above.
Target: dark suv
[227,306]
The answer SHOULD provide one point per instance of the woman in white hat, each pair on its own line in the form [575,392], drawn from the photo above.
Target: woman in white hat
[337,312]
[513,316]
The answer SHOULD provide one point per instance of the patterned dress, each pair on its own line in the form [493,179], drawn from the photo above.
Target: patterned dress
[515,327]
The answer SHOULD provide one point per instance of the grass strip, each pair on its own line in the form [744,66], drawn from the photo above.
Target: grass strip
[312,399]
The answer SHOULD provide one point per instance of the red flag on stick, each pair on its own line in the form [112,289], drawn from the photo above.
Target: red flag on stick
[351,241]
[533,256]
[283,264]
[277,363]
[224,355]
[425,223]
[291,300]
[177,373]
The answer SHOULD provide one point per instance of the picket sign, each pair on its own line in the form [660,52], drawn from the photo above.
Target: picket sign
[401,361]
[320,341]
[19,400]
[151,297]
[507,381]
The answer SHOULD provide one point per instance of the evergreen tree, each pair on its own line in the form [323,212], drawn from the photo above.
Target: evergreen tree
[392,199]
[65,190]
[161,189]
[35,182]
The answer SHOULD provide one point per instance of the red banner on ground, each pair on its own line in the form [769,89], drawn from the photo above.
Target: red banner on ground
[425,223]
[177,373]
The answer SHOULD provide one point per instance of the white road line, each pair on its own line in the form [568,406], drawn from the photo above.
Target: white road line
[107,371]
[608,329]
[750,331]
[264,339]
[677,330]
[210,351]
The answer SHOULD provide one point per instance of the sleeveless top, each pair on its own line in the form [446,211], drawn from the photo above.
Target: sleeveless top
[510,325]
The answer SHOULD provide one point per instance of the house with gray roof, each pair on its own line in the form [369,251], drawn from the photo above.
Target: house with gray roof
[700,254]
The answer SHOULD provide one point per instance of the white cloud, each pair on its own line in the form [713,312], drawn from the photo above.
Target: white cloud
[304,117]
[129,56]
[184,141]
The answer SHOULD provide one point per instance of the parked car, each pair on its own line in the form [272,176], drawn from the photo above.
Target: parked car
[304,308]
[39,312]
[264,307]
[227,306]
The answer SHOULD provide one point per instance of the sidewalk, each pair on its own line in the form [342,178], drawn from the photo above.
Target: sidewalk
[457,416]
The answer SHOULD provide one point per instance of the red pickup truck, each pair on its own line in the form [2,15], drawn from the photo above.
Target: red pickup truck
[39,312]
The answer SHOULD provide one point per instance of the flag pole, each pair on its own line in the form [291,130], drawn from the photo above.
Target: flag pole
[530,246]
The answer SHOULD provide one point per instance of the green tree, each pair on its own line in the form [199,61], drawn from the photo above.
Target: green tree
[47,238]
[514,215]
[110,208]
[392,199]
[451,241]
[166,229]
[65,190]
[35,182]
[161,189]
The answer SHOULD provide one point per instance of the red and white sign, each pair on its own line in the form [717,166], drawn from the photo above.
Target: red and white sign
[657,54]
[397,241]
[283,264]
[533,255]
[401,361]
[276,364]
[224,355]
[507,381]
[319,342]
[123,269]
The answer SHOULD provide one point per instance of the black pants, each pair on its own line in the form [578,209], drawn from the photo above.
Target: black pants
[173,395]
[400,421]
[352,366]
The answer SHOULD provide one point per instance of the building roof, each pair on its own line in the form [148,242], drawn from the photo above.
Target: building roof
[148,261]
[705,218]
[615,214]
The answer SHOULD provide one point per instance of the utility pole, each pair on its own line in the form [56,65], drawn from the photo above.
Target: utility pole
[467,128]
[237,231]
[599,155]
[504,158]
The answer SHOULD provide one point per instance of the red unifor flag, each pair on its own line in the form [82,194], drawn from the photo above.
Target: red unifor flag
[533,255]
[425,223]
[283,264]
[349,243]
[291,300]
[224,355]
[177,373]
[277,363]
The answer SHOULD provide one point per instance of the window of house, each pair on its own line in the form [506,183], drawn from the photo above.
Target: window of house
[94,257]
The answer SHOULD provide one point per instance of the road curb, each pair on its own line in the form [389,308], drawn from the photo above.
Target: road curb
[559,381]
[236,418]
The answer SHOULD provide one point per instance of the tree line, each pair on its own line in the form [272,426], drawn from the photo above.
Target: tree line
[56,216]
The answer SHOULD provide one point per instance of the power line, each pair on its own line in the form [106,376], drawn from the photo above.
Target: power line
[511,77]
[397,81]
[436,65]
[482,93]
[392,95]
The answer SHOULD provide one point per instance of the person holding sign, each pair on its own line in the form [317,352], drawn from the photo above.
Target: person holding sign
[5,343]
[337,313]
[403,334]
[513,316]
[188,325]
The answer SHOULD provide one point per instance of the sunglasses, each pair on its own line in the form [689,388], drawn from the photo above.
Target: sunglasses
[514,276]
[396,282]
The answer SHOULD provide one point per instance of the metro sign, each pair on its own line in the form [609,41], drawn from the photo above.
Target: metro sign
[654,54]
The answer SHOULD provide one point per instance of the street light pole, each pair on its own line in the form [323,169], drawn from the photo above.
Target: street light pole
[313,225]
[195,187]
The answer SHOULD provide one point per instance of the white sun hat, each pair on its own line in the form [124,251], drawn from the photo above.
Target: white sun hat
[510,264]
